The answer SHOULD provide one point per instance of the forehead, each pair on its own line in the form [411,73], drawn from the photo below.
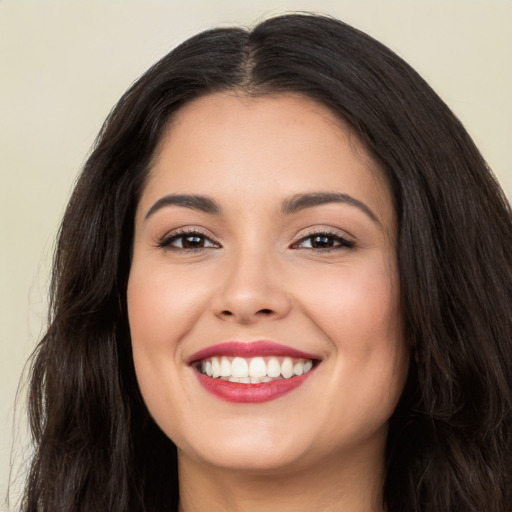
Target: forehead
[262,147]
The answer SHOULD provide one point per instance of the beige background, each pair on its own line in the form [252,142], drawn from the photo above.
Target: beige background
[64,64]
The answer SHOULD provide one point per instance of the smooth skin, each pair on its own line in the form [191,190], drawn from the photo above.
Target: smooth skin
[321,278]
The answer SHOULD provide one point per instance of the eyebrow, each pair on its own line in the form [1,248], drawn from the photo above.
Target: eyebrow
[290,206]
[302,201]
[194,202]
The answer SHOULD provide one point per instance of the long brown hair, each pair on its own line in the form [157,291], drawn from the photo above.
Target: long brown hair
[450,442]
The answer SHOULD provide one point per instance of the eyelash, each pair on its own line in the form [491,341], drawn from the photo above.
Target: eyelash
[166,241]
[343,242]
[335,238]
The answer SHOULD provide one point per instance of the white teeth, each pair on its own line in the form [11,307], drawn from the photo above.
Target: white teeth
[243,380]
[254,370]
[239,367]
[225,367]
[257,367]
[215,367]
[287,368]
[273,367]
[298,368]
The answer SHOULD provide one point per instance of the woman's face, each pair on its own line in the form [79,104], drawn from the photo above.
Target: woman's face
[265,246]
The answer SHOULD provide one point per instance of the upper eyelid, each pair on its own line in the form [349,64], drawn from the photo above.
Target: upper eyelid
[312,231]
[346,241]
[183,232]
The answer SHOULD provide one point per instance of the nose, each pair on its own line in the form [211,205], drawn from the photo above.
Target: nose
[251,290]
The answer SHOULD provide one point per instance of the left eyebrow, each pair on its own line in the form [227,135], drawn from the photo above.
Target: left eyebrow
[302,201]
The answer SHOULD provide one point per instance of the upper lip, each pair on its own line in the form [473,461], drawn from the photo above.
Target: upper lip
[249,349]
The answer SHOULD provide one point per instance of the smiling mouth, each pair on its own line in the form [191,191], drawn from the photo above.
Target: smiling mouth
[253,370]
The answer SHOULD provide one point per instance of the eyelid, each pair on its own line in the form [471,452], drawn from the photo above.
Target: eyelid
[346,242]
[174,234]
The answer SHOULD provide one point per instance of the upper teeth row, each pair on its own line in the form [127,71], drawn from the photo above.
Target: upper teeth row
[257,367]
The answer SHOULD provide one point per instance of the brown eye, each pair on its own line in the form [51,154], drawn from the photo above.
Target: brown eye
[324,241]
[188,241]
[192,242]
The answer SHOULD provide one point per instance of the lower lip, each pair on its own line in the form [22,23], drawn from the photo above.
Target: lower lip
[250,393]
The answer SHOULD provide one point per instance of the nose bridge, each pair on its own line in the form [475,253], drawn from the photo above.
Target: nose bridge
[251,289]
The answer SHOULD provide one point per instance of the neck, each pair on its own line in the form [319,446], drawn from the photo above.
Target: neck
[352,486]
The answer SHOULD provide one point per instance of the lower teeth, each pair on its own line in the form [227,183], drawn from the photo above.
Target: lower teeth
[249,380]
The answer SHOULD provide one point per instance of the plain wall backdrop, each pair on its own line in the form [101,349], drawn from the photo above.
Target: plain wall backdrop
[64,64]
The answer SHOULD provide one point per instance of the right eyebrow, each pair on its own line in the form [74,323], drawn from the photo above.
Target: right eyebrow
[194,202]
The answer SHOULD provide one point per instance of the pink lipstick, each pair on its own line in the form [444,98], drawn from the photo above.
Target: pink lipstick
[251,372]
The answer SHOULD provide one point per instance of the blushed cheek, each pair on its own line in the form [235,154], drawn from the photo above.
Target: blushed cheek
[149,295]
[355,303]
[147,318]
[359,312]
[163,304]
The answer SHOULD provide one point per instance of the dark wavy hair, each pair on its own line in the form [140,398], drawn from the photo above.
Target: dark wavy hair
[450,439]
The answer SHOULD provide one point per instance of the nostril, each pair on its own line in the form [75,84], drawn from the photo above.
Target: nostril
[245,317]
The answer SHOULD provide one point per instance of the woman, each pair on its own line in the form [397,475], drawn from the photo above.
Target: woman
[295,206]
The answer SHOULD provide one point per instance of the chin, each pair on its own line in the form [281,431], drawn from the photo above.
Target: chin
[256,450]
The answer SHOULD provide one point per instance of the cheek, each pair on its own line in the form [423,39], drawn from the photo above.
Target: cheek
[162,308]
[162,304]
[357,306]
[357,309]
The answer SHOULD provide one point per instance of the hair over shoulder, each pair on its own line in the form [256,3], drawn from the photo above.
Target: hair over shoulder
[450,439]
